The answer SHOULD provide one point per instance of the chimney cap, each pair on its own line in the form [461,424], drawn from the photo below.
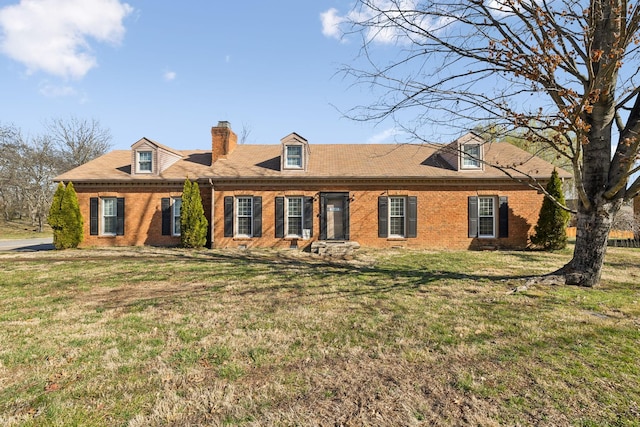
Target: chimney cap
[224,124]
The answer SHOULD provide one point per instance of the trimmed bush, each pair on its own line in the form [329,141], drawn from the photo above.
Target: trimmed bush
[193,223]
[65,218]
[551,229]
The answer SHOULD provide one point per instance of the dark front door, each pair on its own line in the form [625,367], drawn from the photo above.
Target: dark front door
[335,216]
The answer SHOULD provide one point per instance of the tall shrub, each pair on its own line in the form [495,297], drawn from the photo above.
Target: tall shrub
[65,218]
[551,229]
[193,223]
[56,217]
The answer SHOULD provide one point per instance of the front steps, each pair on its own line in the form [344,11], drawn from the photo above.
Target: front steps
[334,248]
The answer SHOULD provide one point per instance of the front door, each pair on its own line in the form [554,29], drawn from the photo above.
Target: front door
[335,216]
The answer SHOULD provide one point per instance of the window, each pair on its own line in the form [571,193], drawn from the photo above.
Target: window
[244,216]
[145,164]
[293,156]
[486,217]
[471,156]
[293,224]
[109,216]
[106,216]
[177,209]
[396,216]
[171,211]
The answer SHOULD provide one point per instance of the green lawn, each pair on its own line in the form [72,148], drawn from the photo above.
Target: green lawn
[22,229]
[158,337]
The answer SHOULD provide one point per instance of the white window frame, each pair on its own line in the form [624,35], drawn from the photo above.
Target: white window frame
[239,214]
[393,215]
[139,161]
[287,215]
[471,160]
[103,216]
[484,214]
[299,160]
[175,217]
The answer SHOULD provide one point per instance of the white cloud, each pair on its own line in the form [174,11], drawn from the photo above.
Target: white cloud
[378,28]
[170,75]
[331,23]
[55,91]
[384,136]
[53,35]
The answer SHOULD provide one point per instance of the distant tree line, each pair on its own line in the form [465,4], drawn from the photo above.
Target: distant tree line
[28,164]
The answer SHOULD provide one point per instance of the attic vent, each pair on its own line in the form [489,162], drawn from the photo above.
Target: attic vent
[224,124]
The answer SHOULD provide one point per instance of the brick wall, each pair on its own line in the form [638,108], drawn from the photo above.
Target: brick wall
[143,213]
[442,221]
[442,217]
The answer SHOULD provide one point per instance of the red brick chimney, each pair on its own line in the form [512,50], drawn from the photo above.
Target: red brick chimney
[223,141]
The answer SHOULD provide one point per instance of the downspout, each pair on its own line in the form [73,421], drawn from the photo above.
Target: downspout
[213,216]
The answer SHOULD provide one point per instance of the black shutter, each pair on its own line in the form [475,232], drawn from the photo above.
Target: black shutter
[166,216]
[473,216]
[120,216]
[345,217]
[279,216]
[257,217]
[93,216]
[503,221]
[323,217]
[228,216]
[383,216]
[308,215]
[412,216]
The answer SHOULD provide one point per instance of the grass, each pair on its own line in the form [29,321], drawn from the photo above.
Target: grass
[21,229]
[151,337]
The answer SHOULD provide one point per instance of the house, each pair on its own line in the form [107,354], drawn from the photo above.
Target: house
[299,194]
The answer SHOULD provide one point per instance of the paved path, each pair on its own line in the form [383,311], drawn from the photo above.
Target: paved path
[38,244]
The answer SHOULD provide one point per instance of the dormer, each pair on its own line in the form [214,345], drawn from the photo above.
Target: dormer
[465,153]
[295,153]
[150,158]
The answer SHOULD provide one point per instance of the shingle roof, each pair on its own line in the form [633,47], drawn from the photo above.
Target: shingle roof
[375,161]
[330,161]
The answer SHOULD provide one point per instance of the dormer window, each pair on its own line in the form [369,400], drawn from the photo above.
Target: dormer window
[293,156]
[471,156]
[145,162]
[295,153]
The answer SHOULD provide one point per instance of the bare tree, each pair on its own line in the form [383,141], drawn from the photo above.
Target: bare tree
[560,71]
[78,140]
[245,132]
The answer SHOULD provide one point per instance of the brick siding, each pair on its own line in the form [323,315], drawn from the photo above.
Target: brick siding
[442,221]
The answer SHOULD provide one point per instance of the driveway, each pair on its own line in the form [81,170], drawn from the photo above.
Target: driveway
[27,245]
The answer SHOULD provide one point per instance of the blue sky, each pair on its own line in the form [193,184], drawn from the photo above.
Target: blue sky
[170,70]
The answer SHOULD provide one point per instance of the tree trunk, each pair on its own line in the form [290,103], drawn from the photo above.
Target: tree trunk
[585,268]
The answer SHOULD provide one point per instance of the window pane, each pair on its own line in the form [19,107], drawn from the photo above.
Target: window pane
[294,155]
[244,226]
[177,210]
[295,206]
[244,206]
[471,155]
[109,225]
[109,208]
[295,226]
[396,226]
[486,226]
[244,212]
[486,206]
[486,218]
[294,216]
[396,216]
[144,161]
